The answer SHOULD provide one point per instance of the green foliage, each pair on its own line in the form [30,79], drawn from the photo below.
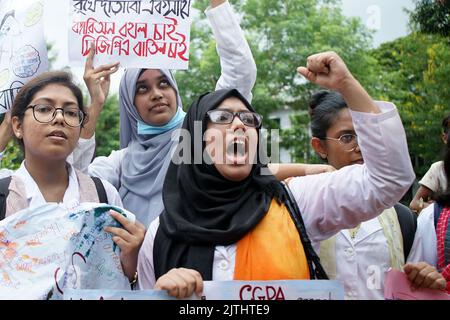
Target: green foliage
[432,16]
[415,76]
[298,138]
[413,72]
[285,33]
[204,66]
[12,157]
[52,54]
[107,130]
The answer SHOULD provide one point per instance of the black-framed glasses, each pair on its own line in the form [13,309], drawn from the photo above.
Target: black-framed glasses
[248,118]
[348,141]
[43,113]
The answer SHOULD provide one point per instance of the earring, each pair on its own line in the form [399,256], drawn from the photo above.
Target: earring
[18,135]
[323,155]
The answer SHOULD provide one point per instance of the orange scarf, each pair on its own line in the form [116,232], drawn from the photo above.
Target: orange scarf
[272,250]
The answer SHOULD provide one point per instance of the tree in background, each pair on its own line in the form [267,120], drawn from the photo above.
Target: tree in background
[204,66]
[413,71]
[415,76]
[432,17]
[12,156]
[107,130]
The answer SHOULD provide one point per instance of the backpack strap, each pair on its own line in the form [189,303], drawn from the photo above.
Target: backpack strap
[102,196]
[408,225]
[4,191]
[437,213]
[315,268]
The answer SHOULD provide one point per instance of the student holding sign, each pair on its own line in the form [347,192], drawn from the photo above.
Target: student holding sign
[226,221]
[47,117]
[151,111]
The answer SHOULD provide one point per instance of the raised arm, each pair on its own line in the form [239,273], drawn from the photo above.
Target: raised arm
[328,70]
[238,68]
[98,82]
[344,198]
[283,171]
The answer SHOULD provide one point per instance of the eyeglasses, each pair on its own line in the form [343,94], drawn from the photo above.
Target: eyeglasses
[248,118]
[348,141]
[73,117]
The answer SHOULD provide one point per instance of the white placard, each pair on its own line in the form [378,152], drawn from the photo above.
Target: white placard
[23,53]
[136,33]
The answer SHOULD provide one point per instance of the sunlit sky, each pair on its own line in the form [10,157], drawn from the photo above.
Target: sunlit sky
[386,17]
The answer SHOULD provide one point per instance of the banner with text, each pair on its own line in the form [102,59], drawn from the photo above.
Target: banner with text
[23,53]
[48,249]
[137,33]
[230,290]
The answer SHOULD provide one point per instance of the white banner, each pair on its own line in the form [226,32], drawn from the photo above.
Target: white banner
[230,290]
[23,53]
[48,249]
[137,33]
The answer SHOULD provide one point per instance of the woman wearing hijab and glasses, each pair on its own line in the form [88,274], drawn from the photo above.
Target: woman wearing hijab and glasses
[151,111]
[227,221]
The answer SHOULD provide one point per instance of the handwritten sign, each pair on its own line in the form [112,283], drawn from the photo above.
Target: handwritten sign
[230,290]
[398,287]
[274,290]
[48,249]
[137,33]
[23,53]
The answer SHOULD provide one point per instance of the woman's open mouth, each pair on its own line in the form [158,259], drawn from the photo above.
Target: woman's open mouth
[237,151]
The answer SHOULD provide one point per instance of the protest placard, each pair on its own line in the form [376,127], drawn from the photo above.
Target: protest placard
[231,290]
[136,33]
[48,249]
[23,53]
[398,287]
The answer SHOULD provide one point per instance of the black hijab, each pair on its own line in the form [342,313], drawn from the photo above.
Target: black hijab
[202,208]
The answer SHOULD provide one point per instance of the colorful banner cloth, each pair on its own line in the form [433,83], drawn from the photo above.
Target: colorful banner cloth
[45,250]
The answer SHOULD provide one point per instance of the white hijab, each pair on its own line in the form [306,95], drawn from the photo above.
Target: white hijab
[147,157]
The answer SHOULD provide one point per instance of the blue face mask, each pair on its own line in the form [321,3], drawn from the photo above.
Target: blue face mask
[176,120]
